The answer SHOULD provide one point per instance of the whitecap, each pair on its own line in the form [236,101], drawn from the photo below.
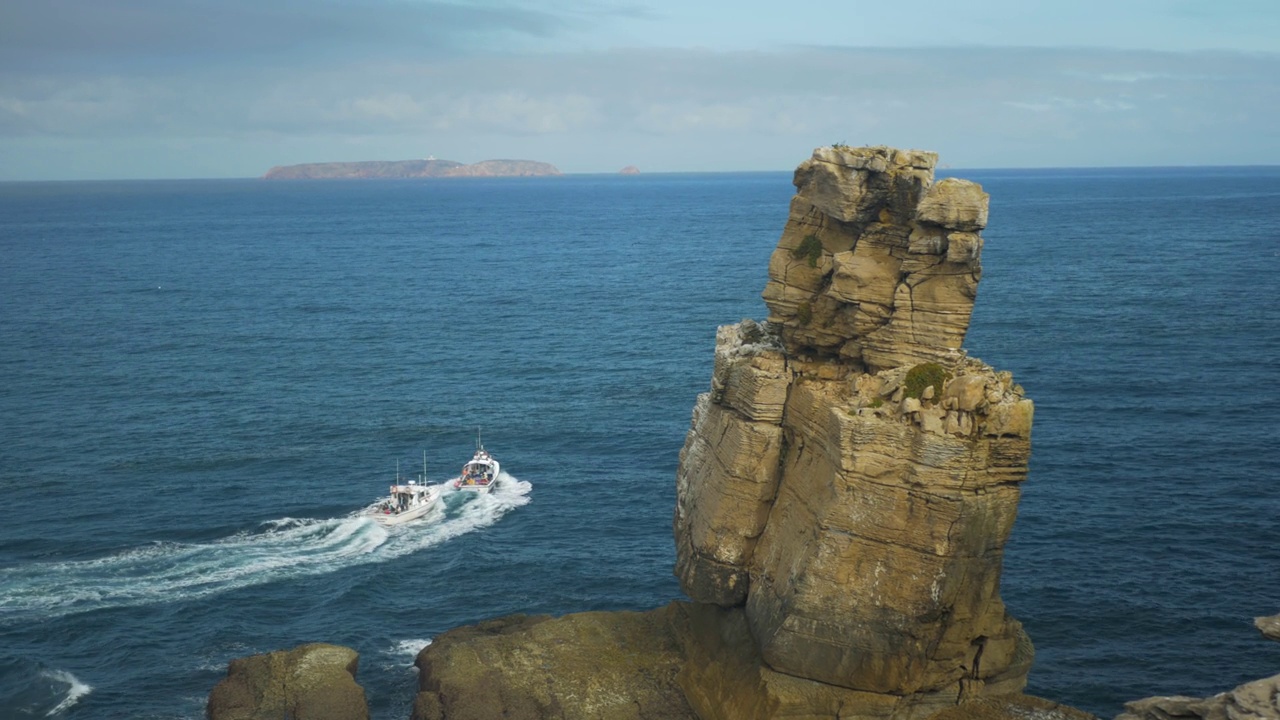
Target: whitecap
[411,648]
[76,689]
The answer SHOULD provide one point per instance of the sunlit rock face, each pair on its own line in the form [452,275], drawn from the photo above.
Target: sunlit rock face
[852,477]
[878,264]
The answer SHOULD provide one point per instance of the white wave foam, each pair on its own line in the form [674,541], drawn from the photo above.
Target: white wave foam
[75,690]
[410,648]
[281,549]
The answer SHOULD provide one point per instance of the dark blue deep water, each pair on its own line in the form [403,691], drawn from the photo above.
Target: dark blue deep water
[201,381]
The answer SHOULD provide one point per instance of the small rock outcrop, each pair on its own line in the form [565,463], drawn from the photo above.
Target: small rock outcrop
[1255,700]
[621,666]
[310,682]
[1269,626]
[629,170]
[851,478]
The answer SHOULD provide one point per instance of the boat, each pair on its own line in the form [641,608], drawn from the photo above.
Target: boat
[480,473]
[407,500]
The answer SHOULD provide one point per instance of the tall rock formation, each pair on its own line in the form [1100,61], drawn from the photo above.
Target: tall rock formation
[843,499]
[851,478]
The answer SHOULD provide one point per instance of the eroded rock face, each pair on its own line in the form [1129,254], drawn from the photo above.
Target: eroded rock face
[1256,700]
[310,682]
[852,477]
[877,264]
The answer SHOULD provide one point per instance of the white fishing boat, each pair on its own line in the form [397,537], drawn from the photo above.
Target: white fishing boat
[480,473]
[407,500]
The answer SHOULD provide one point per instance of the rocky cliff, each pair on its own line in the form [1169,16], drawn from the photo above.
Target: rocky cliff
[844,496]
[851,478]
[401,169]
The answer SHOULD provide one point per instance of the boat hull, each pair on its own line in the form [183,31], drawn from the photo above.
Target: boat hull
[415,512]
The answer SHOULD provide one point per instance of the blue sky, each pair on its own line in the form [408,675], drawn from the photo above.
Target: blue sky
[227,88]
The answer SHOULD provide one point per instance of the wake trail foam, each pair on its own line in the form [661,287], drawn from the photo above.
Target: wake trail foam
[280,550]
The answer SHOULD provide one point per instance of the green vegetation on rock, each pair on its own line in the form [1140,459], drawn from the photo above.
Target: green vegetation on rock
[810,248]
[804,313]
[922,376]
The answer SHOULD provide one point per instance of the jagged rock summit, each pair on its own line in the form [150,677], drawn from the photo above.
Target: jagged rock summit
[850,481]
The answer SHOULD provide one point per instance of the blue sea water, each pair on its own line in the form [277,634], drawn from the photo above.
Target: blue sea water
[201,382]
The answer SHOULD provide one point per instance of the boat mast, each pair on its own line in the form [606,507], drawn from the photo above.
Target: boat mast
[424,467]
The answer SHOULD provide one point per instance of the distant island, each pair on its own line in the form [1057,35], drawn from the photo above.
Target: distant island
[399,169]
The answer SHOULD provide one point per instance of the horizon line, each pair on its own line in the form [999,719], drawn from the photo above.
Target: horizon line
[942,169]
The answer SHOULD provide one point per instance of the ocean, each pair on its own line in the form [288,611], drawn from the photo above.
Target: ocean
[202,381]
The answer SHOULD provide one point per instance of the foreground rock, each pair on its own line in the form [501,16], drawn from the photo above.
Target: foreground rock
[852,477]
[309,682]
[1257,700]
[404,169]
[679,662]
[620,666]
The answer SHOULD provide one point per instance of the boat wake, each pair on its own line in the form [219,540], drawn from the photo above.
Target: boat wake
[278,550]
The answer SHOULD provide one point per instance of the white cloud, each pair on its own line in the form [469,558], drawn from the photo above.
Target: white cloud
[688,109]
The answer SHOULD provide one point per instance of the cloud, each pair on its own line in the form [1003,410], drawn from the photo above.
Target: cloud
[679,109]
[49,35]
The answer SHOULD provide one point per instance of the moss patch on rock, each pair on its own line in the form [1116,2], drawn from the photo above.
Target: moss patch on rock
[804,313]
[924,375]
[810,249]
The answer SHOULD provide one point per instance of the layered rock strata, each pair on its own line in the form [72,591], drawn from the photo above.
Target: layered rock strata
[851,478]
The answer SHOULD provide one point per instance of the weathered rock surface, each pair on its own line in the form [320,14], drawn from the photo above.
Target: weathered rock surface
[851,478]
[1257,700]
[680,662]
[877,264]
[591,665]
[1269,626]
[310,682]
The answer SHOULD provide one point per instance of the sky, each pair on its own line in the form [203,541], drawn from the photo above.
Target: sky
[117,89]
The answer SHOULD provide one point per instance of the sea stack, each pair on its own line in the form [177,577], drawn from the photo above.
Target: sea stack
[843,498]
[849,482]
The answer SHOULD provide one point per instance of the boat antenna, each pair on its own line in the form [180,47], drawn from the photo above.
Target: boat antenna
[479,444]
[424,467]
